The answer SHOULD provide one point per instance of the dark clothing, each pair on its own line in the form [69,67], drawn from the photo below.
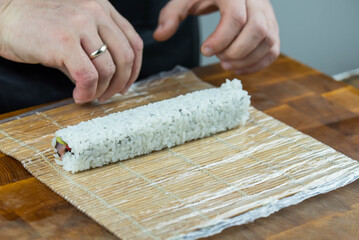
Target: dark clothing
[24,85]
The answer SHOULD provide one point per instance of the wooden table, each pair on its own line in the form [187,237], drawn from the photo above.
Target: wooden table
[289,91]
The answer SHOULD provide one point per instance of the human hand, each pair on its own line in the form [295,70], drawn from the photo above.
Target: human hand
[63,33]
[246,39]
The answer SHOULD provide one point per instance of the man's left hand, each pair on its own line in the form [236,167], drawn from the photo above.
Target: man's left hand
[246,39]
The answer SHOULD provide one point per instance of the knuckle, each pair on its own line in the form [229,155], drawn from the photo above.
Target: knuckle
[138,44]
[109,71]
[270,40]
[63,36]
[93,7]
[79,19]
[128,57]
[260,29]
[239,17]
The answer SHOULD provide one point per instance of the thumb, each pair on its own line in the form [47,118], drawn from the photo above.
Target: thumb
[170,17]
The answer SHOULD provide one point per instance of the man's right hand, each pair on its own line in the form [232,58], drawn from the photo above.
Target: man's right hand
[63,33]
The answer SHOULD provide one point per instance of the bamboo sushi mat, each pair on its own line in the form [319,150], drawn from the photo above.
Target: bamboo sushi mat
[189,191]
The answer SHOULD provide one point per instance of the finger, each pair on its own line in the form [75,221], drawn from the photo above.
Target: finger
[250,59]
[83,72]
[122,55]
[104,64]
[252,35]
[170,17]
[233,18]
[135,42]
[263,63]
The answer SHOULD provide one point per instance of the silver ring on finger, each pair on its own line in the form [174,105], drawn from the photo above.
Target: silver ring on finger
[98,52]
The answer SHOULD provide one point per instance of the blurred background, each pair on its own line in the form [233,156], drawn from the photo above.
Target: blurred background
[321,34]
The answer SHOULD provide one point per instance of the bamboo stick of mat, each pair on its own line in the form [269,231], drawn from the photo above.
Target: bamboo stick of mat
[189,191]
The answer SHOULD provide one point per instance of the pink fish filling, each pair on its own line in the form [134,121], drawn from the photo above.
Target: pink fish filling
[62,149]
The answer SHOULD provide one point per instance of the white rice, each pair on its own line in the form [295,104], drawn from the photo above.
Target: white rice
[155,126]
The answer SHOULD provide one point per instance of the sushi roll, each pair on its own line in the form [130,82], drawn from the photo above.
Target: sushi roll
[152,127]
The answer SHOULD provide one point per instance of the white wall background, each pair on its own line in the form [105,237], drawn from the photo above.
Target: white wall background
[323,34]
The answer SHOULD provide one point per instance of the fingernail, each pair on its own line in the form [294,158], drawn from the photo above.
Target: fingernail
[207,51]
[226,65]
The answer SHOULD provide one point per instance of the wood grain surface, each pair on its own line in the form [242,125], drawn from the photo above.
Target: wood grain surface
[289,91]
